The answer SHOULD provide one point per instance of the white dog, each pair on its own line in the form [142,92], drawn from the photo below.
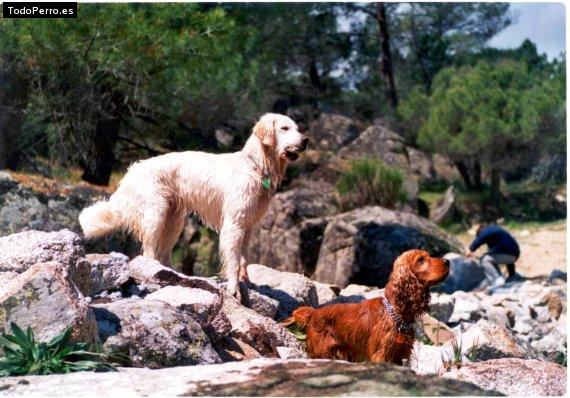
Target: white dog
[228,192]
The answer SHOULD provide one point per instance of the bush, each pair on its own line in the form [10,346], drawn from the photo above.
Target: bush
[370,182]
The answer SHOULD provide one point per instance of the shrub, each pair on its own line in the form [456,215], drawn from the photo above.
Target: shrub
[370,182]
[23,355]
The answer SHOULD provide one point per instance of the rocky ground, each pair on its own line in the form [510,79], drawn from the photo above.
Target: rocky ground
[159,318]
[258,377]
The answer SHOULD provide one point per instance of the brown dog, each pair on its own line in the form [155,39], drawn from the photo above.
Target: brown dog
[377,330]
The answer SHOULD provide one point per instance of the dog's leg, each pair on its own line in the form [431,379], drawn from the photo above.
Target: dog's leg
[231,241]
[171,232]
[323,345]
[152,227]
[243,276]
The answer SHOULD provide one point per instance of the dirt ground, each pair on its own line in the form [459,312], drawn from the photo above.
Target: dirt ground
[543,247]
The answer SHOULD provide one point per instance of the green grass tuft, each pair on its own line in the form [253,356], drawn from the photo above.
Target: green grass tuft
[370,182]
[23,355]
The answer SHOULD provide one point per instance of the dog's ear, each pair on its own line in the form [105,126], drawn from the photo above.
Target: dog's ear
[265,130]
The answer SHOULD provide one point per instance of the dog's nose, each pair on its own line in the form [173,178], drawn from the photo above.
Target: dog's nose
[305,143]
[446,262]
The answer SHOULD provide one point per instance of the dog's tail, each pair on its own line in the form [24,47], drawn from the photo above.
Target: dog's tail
[300,317]
[98,220]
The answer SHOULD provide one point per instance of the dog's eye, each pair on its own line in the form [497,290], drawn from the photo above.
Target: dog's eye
[285,128]
[421,260]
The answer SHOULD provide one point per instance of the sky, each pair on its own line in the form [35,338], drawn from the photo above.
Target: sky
[542,23]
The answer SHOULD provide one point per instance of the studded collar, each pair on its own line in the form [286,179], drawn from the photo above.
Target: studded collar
[404,327]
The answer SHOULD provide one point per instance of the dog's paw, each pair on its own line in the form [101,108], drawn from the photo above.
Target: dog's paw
[233,289]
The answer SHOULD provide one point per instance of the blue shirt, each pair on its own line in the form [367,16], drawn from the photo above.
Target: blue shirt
[498,240]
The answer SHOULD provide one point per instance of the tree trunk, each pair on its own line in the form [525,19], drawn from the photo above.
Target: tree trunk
[386,67]
[418,52]
[495,186]
[314,77]
[477,175]
[464,172]
[2,145]
[97,168]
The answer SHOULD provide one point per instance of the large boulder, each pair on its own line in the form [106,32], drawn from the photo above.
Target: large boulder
[378,141]
[331,131]
[45,298]
[464,274]
[259,377]
[289,236]
[382,142]
[20,251]
[486,340]
[360,246]
[153,334]
[514,377]
[291,290]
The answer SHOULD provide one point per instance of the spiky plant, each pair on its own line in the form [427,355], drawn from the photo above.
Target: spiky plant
[23,355]
[474,352]
[457,352]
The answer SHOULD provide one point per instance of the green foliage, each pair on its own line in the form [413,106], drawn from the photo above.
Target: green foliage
[498,114]
[473,352]
[299,333]
[23,355]
[125,81]
[370,182]
[457,354]
[125,71]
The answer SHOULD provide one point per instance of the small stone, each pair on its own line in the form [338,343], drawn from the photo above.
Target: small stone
[290,353]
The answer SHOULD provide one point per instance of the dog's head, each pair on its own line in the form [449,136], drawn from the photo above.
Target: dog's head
[426,269]
[281,135]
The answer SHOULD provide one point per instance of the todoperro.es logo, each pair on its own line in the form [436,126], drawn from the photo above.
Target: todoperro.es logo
[39,10]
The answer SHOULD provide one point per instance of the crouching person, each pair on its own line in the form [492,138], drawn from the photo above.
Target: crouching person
[502,249]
